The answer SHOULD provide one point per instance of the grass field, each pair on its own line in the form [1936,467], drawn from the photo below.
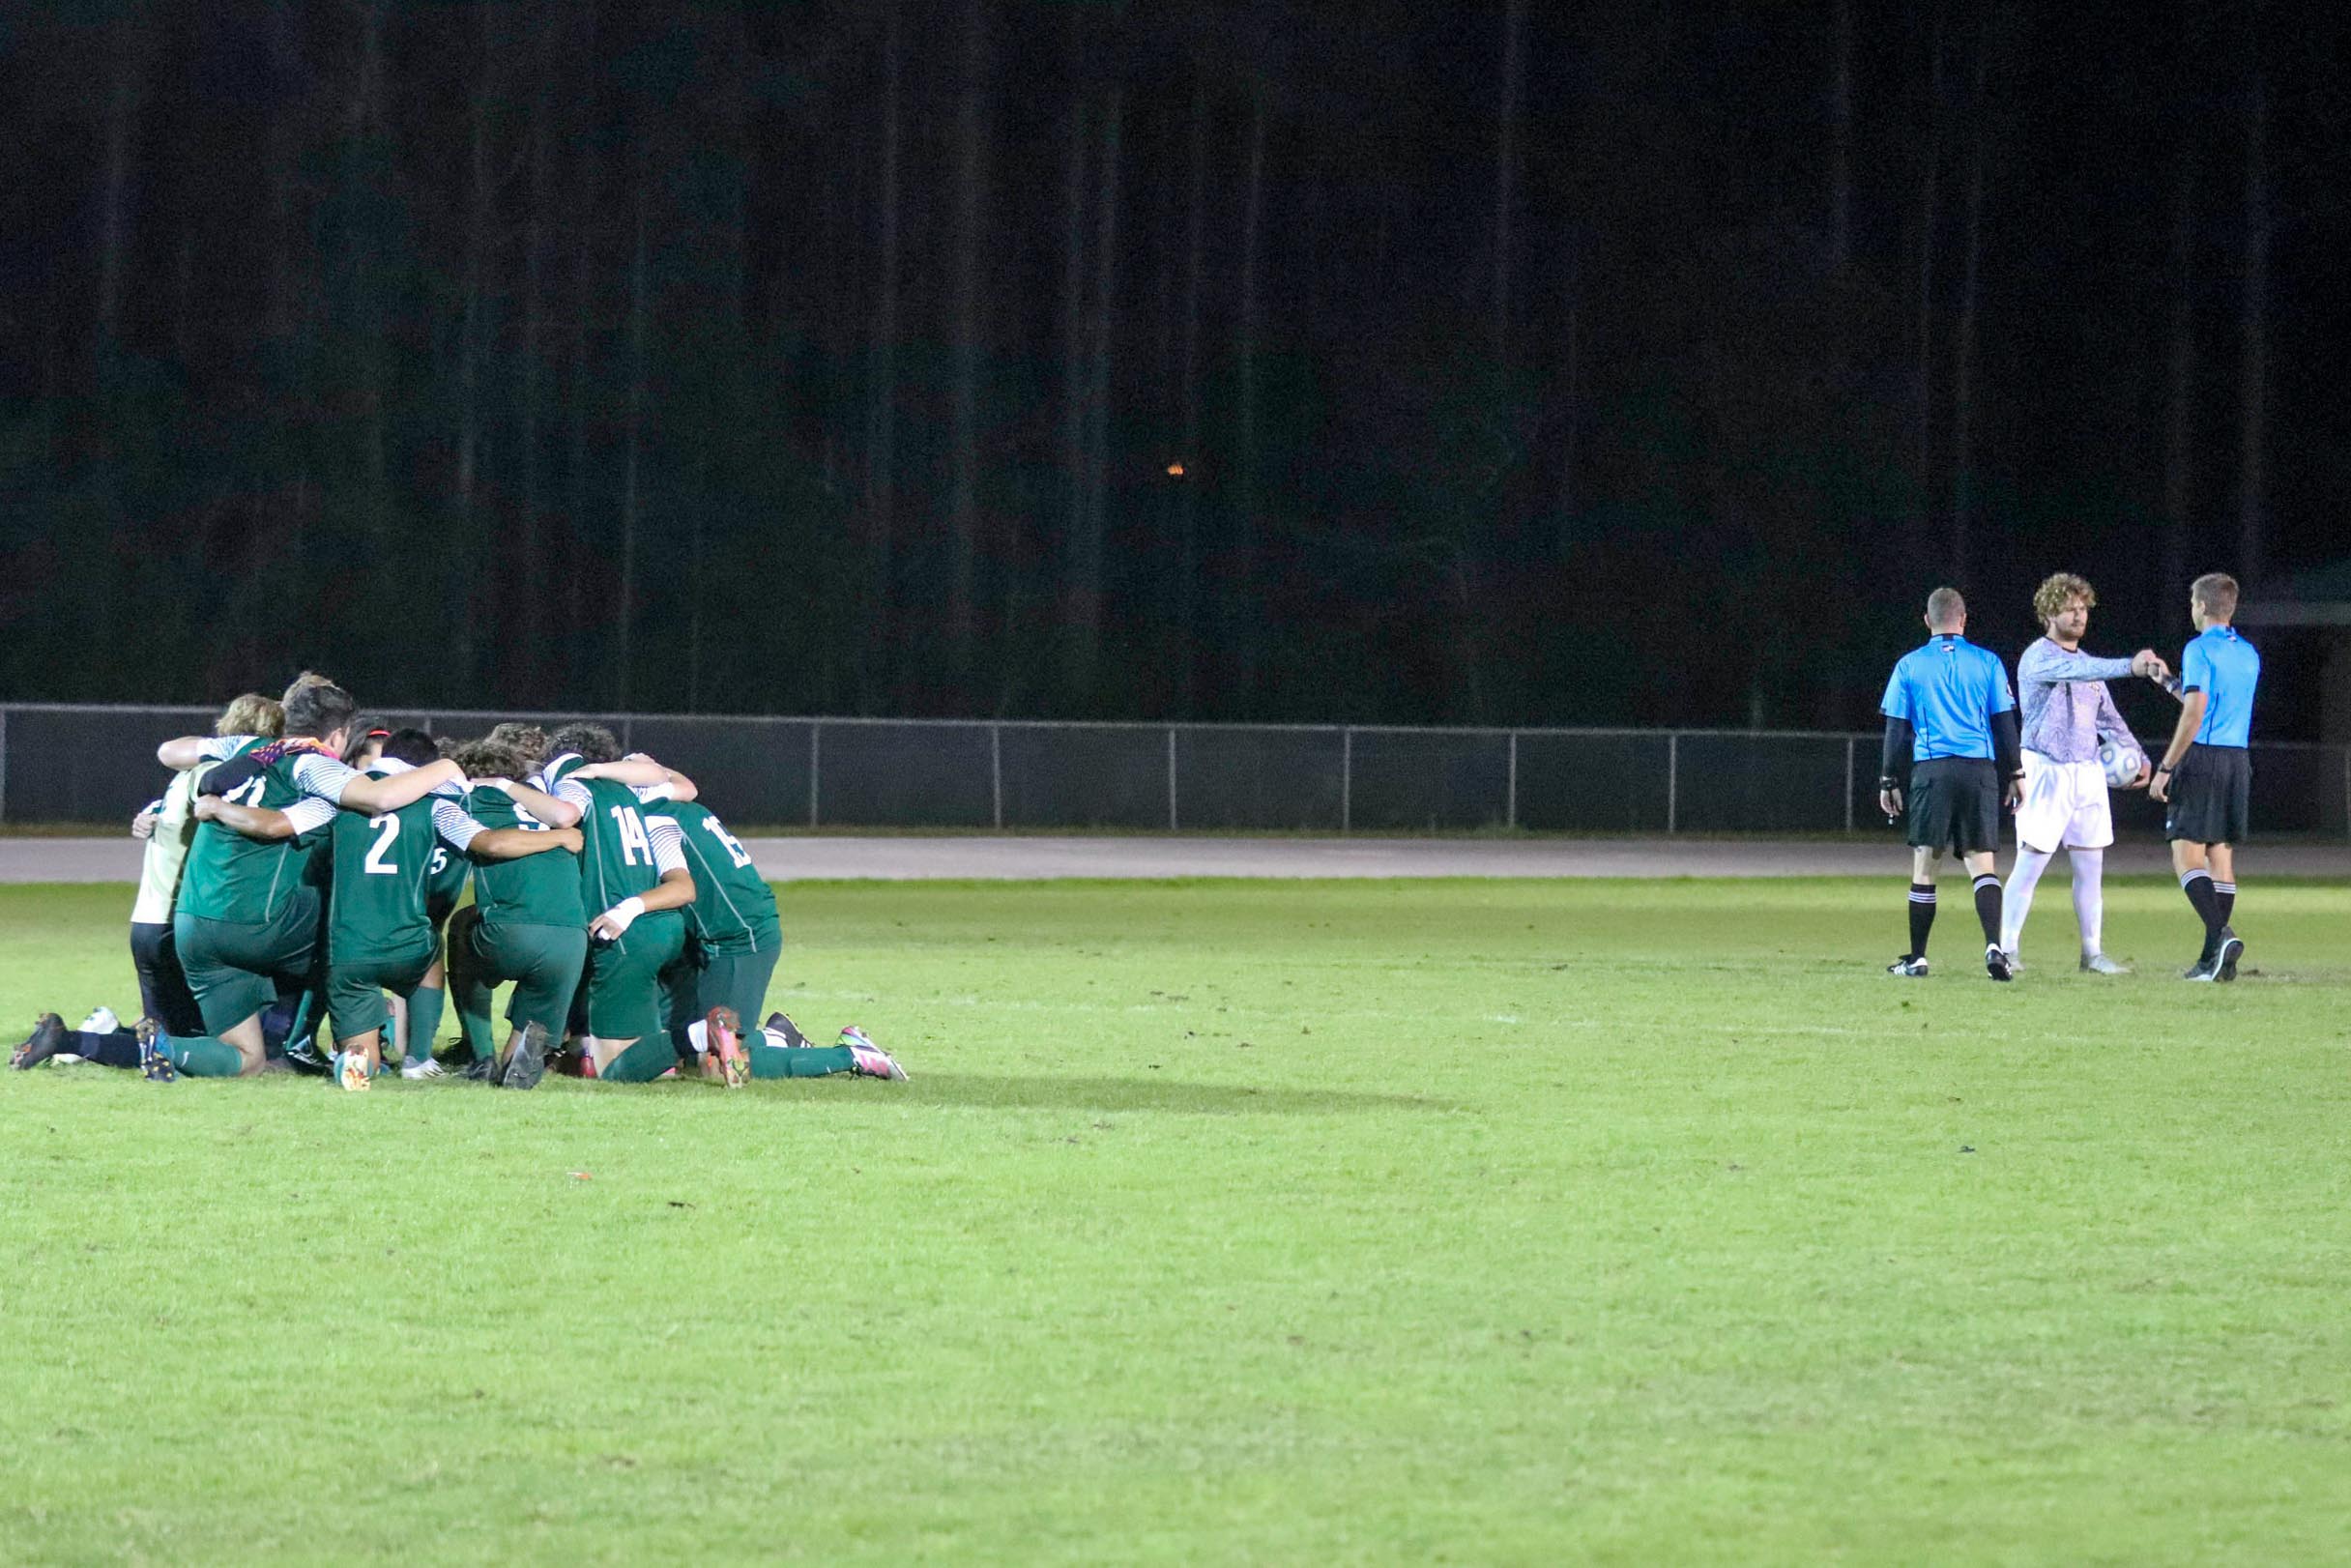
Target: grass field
[1289,1222]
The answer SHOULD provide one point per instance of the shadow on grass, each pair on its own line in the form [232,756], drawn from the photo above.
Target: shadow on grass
[1155,1094]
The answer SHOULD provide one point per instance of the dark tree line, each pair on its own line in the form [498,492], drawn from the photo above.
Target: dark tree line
[1489,362]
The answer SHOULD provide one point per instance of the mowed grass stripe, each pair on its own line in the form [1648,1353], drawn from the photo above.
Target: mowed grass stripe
[1470,1221]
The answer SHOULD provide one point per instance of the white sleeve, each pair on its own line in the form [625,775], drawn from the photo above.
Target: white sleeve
[668,843]
[456,825]
[575,792]
[323,776]
[309,814]
[656,794]
[222,748]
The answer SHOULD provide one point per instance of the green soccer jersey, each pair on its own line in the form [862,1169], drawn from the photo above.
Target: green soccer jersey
[230,877]
[382,868]
[537,889]
[625,855]
[733,908]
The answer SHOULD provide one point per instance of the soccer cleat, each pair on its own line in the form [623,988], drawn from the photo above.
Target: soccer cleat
[481,1070]
[1995,961]
[2224,970]
[351,1071]
[102,1021]
[154,1065]
[529,1063]
[427,1068]
[789,1034]
[2205,970]
[870,1060]
[303,1056]
[47,1039]
[2100,964]
[1909,968]
[723,1029]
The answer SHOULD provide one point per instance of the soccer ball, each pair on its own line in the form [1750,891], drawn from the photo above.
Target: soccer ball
[2121,763]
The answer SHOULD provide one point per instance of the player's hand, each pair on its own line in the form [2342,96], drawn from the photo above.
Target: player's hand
[640,756]
[2146,771]
[2149,663]
[142,826]
[570,838]
[614,922]
[2013,796]
[2159,789]
[207,807]
[1890,801]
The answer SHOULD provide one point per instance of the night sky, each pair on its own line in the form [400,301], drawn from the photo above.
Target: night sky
[1617,364]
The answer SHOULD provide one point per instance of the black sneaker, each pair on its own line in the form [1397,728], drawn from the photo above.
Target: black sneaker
[303,1056]
[529,1063]
[1995,963]
[2204,970]
[2231,949]
[47,1039]
[1908,967]
[154,1065]
[481,1070]
[794,1040]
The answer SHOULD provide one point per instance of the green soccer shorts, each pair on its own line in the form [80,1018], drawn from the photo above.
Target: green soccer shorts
[544,961]
[356,985]
[233,966]
[737,981]
[624,980]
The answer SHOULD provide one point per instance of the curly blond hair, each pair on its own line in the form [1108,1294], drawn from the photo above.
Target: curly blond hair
[2057,587]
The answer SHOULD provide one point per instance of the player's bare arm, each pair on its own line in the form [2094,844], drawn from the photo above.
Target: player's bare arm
[674,891]
[553,810]
[514,843]
[376,796]
[265,822]
[2182,735]
[640,771]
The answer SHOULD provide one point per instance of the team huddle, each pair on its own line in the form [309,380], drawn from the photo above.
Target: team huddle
[1957,750]
[307,868]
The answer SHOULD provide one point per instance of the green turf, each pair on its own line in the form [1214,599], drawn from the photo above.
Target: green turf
[1290,1223]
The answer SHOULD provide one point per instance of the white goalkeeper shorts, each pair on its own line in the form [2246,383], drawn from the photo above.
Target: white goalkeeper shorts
[2065,806]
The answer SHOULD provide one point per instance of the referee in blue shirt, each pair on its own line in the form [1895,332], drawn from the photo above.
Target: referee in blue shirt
[2206,777]
[1952,753]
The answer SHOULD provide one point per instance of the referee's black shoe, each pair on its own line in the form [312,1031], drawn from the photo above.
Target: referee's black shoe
[1910,965]
[2231,949]
[1995,963]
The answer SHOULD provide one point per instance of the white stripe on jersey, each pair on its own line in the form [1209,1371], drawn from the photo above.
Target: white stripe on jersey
[456,825]
[668,843]
[322,777]
[310,813]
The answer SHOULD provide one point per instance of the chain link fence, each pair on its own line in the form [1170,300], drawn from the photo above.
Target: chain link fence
[96,765]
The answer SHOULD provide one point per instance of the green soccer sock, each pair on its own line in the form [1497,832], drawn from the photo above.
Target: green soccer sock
[473,997]
[642,1062]
[200,1055]
[424,1004]
[816,1062]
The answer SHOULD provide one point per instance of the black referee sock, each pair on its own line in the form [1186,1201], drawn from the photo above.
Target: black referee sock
[2197,886]
[2224,901]
[120,1049]
[1922,917]
[1987,907]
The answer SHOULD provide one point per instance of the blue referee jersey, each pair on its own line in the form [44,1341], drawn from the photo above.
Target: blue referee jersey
[2223,666]
[1948,690]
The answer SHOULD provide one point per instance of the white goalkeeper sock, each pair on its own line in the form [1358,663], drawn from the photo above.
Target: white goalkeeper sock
[2090,898]
[698,1035]
[2022,878]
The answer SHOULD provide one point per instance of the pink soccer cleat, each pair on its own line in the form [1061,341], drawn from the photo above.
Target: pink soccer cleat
[872,1062]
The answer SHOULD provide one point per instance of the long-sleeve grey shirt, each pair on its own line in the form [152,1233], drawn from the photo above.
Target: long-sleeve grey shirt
[2066,704]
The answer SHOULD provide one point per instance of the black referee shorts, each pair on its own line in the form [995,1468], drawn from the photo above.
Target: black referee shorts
[2211,797]
[1955,805]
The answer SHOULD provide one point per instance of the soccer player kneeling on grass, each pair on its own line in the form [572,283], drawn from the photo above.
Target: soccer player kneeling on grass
[2068,711]
[737,939]
[527,923]
[635,877]
[2206,776]
[1951,741]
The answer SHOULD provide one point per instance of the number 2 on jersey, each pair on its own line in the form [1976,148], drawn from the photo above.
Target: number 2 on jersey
[387,830]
